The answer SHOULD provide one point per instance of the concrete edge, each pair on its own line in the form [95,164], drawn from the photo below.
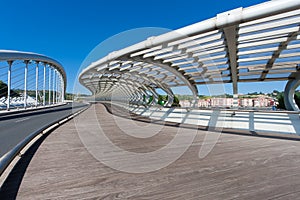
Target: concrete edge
[15,112]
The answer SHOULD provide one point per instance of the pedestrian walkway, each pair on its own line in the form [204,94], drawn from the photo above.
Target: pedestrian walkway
[239,166]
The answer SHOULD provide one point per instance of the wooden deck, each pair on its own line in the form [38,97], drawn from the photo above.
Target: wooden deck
[239,167]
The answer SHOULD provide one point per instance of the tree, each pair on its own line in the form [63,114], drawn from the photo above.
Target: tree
[280,99]
[3,90]
[161,99]
[176,102]
[150,99]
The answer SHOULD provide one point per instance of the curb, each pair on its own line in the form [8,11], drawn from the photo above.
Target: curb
[16,112]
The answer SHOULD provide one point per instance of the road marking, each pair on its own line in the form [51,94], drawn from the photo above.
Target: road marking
[21,120]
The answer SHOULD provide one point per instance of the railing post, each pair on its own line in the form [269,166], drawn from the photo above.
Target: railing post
[44,86]
[62,92]
[25,83]
[62,89]
[56,88]
[36,83]
[53,86]
[49,90]
[8,84]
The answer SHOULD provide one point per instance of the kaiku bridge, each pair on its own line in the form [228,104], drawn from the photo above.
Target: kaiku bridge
[255,44]
[126,143]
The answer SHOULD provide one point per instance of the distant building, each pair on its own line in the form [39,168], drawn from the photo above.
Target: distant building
[259,101]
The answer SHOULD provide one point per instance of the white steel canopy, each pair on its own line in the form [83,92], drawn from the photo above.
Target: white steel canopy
[258,43]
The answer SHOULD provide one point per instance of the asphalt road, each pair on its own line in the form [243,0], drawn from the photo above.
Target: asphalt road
[14,128]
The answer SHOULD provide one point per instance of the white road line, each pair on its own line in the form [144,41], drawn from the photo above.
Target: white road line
[21,120]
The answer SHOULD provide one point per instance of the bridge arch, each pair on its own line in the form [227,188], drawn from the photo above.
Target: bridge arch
[27,73]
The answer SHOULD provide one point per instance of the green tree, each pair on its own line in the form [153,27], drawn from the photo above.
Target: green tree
[3,90]
[150,99]
[161,100]
[176,102]
[280,99]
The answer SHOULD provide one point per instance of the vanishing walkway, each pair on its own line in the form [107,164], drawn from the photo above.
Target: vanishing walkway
[239,167]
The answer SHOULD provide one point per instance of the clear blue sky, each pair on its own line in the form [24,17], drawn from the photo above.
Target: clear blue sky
[67,30]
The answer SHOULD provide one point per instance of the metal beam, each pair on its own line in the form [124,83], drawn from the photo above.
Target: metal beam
[231,44]
[173,70]
[282,46]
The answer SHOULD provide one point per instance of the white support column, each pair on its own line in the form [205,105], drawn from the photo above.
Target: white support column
[8,84]
[62,90]
[44,86]
[56,88]
[49,89]
[36,83]
[53,86]
[25,83]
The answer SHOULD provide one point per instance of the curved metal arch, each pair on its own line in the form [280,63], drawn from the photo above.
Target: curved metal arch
[132,92]
[289,93]
[161,85]
[10,55]
[243,43]
[155,95]
[142,76]
[129,88]
[137,86]
[168,67]
[243,15]
[138,75]
[108,95]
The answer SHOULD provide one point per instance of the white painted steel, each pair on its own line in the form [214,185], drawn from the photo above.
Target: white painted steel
[31,76]
[218,50]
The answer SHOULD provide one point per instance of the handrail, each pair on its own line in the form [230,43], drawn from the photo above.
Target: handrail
[22,111]
[222,109]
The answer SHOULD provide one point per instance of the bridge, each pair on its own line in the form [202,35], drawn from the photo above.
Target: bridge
[125,145]
[30,72]
[259,43]
[32,100]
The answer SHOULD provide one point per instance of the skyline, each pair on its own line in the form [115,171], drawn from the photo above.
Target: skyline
[68,33]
